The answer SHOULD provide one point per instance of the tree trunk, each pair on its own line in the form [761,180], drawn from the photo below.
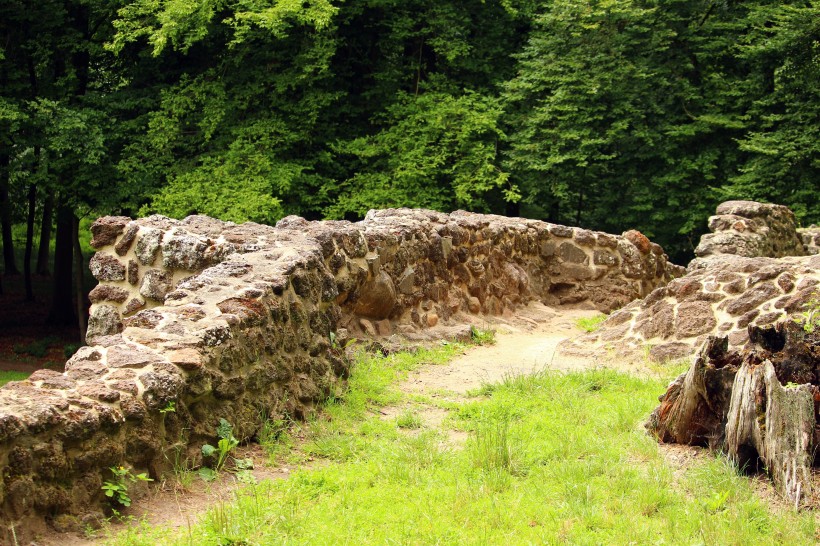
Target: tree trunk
[79,267]
[782,439]
[44,248]
[32,208]
[736,402]
[5,218]
[62,307]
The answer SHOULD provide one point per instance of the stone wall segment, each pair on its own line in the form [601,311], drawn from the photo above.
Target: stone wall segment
[220,320]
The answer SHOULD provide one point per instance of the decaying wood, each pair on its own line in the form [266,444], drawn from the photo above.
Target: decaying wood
[693,409]
[736,402]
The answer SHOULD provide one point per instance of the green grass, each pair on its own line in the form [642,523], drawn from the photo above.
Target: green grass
[5,377]
[551,459]
[590,324]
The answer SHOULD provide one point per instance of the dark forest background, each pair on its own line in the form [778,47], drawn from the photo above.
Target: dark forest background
[608,114]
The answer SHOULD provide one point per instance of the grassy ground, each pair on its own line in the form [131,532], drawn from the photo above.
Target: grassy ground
[5,377]
[550,459]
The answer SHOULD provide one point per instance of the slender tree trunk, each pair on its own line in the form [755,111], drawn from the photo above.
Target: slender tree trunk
[44,249]
[62,307]
[5,218]
[78,280]
[32,207]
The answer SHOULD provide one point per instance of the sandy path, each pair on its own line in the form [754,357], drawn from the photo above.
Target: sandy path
[523,345]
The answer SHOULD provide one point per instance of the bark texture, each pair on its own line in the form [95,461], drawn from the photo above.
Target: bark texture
[758,405]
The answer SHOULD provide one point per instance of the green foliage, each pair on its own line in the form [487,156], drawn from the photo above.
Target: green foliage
[481,336]
[437,151]
[590,324]
[810,317]
[226,444]
[117,489]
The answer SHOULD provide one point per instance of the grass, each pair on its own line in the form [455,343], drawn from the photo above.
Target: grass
[590,324]
[5,377]
[551,459]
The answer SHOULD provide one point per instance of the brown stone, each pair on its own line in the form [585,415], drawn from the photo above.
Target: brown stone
[786,282]
[156,284]
[670,351]
[124,245]
[103,321]
[658,321]
[122,356]
[98,391]
[376,298]
[105,230]
[133,305]
[639,240]
[602,257]
[105,267]
[751,299]
[432,319]
[106,292]
[570,253]
[585,237]
[187,359]
[560,231]
[133,272]
[694,318]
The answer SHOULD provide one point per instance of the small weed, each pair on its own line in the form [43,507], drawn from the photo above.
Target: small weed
[590,324]
[226,444]
[480,336]
[810,317]
[409,419]
[717,502]
[117,489]
[491,448]
[170,407]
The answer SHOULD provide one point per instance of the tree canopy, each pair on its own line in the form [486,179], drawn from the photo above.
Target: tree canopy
[600,113]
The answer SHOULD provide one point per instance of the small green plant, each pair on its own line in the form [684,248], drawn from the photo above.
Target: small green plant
[226,444]
[480,336]
[590,324]
[170,407]
[810,317]
[409,420]
[717,502]
[117,489]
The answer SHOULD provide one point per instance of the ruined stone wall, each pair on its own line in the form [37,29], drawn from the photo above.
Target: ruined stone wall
[218,320]
[811,239]
[747,228]
[753,269]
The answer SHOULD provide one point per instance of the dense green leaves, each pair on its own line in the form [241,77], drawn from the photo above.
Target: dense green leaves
[602,113]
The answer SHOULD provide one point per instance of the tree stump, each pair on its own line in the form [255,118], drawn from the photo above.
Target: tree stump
[758,405]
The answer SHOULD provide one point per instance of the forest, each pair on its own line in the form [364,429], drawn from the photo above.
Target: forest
[606,114]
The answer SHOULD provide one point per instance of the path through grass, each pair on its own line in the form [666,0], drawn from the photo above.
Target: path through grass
[550,459]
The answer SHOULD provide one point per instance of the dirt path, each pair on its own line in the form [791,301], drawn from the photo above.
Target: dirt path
[523,344]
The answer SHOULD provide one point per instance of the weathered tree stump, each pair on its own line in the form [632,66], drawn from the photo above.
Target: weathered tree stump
[759,405]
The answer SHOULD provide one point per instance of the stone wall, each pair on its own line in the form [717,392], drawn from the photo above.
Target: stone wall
[752,270]
[811,239]
[722,297]
[747,228]
[218,320]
